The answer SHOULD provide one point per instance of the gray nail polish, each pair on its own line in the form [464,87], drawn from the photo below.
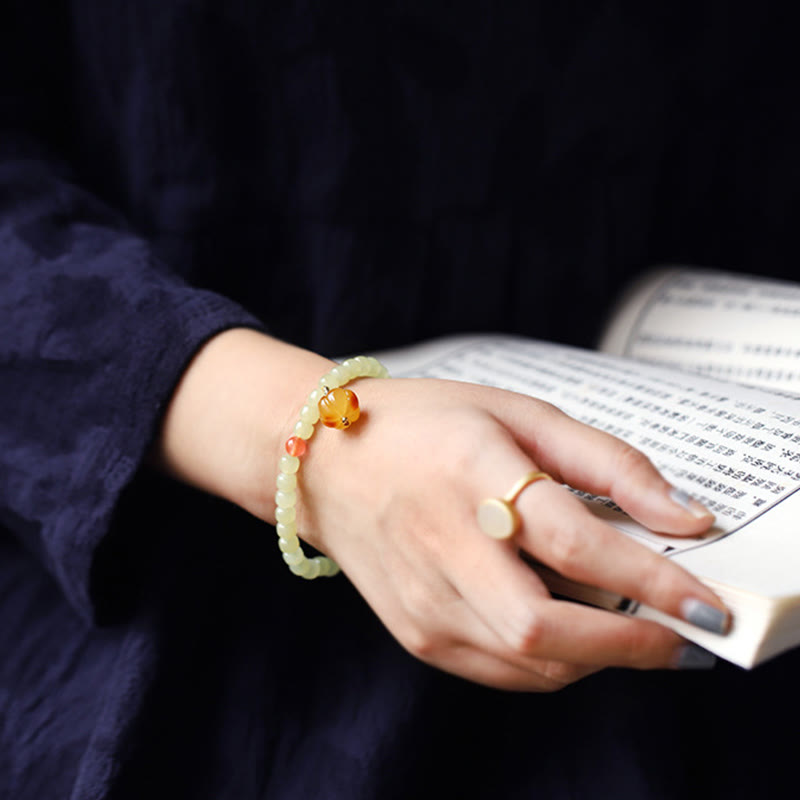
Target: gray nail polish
[681,497]
[693,656]
[686,501]
[703,615]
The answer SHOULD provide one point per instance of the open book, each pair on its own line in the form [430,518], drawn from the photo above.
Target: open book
[698,369]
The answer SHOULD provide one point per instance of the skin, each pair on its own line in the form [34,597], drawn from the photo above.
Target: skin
[393,502]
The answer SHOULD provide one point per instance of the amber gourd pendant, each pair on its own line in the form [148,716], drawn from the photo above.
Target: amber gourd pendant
[339,408]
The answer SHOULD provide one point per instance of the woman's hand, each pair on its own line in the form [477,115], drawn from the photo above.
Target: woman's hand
[393,501]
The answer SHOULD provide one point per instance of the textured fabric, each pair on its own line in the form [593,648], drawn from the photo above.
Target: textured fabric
[349,176]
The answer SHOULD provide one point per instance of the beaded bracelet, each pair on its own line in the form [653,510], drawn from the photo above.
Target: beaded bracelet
[336,408]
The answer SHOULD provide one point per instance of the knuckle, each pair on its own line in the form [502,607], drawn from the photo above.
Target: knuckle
[655,577]
[558,675]
[424,629]
[421,643]
[466,446]
[634,647]
[630,461]
[646,646]
[567,545]
[548,411]
[526,633]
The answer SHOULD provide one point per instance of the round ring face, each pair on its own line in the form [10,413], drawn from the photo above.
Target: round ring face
[497,518]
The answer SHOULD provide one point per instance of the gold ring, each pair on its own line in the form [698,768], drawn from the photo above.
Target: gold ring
[498,516]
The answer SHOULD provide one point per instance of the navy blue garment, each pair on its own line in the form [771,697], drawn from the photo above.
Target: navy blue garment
[348,176]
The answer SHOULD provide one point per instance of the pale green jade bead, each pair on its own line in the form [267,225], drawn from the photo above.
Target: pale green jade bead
[289,464]
[286,531]
[289,545]
[330,381]
[303,430]
[286,515]
[327,567]
[340,374]
[285,499]
[294,558]
[313,569]
[286,482]
[308,569]
[309,413]
[301,568]
[347,370]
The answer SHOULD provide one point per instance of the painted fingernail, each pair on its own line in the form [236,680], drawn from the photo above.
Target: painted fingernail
[692,656]
[704,616]
[687,502]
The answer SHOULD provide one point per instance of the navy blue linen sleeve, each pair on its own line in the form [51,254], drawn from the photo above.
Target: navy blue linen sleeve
[95,330]
[94,335]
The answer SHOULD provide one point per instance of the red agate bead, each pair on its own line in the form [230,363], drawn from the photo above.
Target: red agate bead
[295,446]
[339,408]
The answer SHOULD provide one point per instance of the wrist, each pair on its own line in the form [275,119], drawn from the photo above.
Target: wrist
[332,405]
[227,421]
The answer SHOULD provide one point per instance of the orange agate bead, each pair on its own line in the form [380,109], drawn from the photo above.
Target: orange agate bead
[295,446]
[339,408]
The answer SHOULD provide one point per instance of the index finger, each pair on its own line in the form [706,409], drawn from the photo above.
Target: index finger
[595,461]
[558,530]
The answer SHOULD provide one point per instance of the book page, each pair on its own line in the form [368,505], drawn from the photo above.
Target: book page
[730,326]
[735,448]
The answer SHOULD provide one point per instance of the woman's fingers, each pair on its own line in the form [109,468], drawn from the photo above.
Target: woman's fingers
[492,621]
[495,623]
[541,675]
[558,530]
[433,621]
[590,459]
[508,597]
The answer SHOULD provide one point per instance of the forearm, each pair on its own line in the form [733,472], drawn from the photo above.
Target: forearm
[231,412]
